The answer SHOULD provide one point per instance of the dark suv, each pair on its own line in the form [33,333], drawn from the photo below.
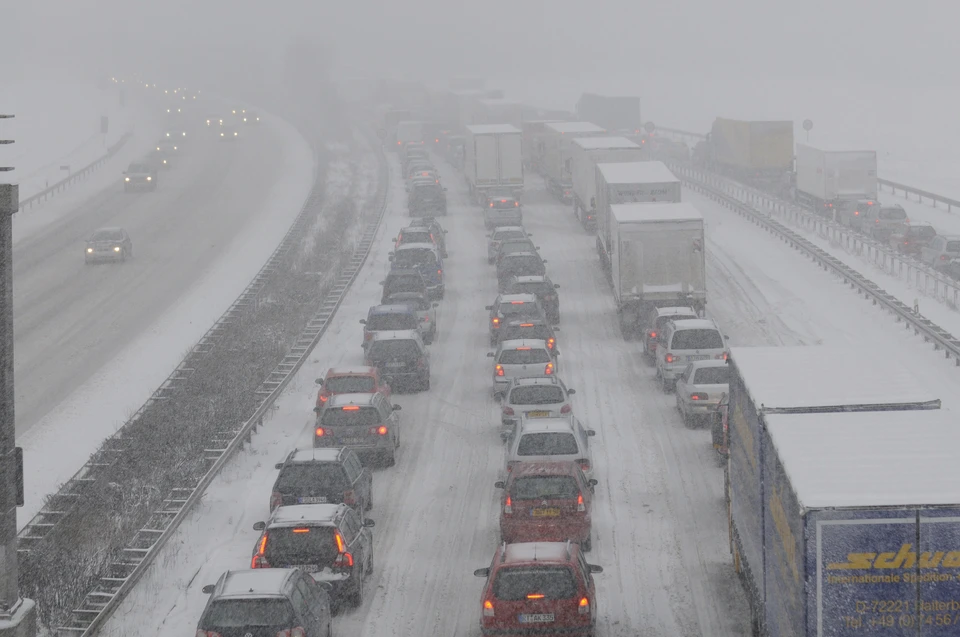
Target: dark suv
[543,288]
[402,280]
[323,476]
[401,358]
[279,601]
[519,264]
[366,423]
[427,198]
[330,542]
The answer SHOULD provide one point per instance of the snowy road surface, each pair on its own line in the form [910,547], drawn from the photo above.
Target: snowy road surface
[659,522]
[93,342]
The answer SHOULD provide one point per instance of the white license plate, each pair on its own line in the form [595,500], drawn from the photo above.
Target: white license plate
[352,441]
[404,364]
[306,568]
[697,358]
[538,618]
[318,499]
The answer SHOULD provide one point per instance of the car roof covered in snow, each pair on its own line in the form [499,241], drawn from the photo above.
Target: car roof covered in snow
[307,455]
[492,129]
[524,297]
[601,143]
[575,127]
[855,459]
[636,172]
[654,211]
[695,324]
[536,552]
[675,311]
[828,378]
[356,370]
[261,582]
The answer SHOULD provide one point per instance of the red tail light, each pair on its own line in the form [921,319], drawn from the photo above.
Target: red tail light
[275,500]
[669,358]
[584,607]
[499,369]
[350,497]
[653,335]
[487,609]
[584,464]
[324,396]
[439,271]
[491,204]
[508,506]
[380,431]
[495,321]
[207,633]
[856,213]
[943,257]
[508,411]
[298,632]
[259,561]
[566,409]
[421,363]
[516,203]
[698,396]
[548,370]
[723,356]
[581,507]
[320,432]
[344,559]
[551,342]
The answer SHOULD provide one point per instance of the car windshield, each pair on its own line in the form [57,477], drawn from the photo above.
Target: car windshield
[524,356]
[339,417]
[241,613]
[893,214]
[416,236]
[547,443]
[536,487]
[536,395]
[398,348]
[392,321]
[712,376]
[519,308]
[506,235]
[553,582]
[952,246]
[107,235]
[350,384]
[415,257]
[303,545]
[540,332]
[527,264]
[697,339]
[300,477]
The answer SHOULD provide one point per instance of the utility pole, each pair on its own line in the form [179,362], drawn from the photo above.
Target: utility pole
[18,617]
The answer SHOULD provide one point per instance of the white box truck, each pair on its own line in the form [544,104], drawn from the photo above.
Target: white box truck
[830,178]
[557,142]
[534,131]
[585,154]
[493,160]
[629,182]
[657,260]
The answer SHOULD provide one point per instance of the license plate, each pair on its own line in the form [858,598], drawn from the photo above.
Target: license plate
[552,512]
[538,414]
[697,358]
[404,364]
[538,618]
[352,441]
[306,568]
[317,499]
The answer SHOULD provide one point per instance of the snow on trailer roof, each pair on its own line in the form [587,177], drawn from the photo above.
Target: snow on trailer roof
[892,458]
[636,172]
[492,129]
[827,378]
[833,148]
[575,127]
[604,143]
[627,212]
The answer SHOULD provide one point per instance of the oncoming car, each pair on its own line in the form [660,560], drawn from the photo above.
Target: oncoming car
[229,133]
[139,176]
[108,244]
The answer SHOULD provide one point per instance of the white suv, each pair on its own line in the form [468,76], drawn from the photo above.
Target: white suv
[683,342]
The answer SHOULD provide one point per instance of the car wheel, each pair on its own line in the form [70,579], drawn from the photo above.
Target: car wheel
[425,384]
[666,385]
[588,543]
[391,459]
[368,505]
[356,597]
[370,564]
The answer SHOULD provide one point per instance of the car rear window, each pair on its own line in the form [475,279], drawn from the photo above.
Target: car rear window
[506,235]
[339,417]
[524,356]
[415,301]
[923,232]
[415,257]
[696,339]
[106,235]
[501,204]
[536,395]
[302,545]
[893,214]
[415,237]
[301,476]
[400,348]
[712,376]
[239,613]
[548,443]
[553,582]
[523,308]
[540,332]
[548,487]
[952,246]
[662,320]
[351,384]
[527,264]
[392,321]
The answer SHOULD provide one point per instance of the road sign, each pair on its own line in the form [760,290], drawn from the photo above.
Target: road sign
[807,125]
[649,127]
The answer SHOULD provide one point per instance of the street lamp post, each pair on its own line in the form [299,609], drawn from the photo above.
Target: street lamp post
[17,615]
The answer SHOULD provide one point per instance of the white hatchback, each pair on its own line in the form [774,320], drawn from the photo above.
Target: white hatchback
[521,358]
[700,388]
[551,440]
[545,397]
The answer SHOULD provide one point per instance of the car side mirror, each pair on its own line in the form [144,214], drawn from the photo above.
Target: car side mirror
[394,239]
[488,307]
[362,322]
[279,465]
[259,526]
[489,354]
[594,568]
[381,282]
[396,407]
[726,337]
[208,589]
[499,484]
[537,247]
[556,286]
[435,305]
[591,433]
[556,353]
[319,381]
[593,482]
[368,523]
[316,410]
[544,260]
[593,202]
[444,190]
[571,392]
[390,258]
[480,572]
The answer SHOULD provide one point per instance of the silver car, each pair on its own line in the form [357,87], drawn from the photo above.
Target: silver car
[700,388]
[501,234]
[502,210]
[521,358]
[550,440]
[943,248]
[425,309]
[366,423]
[545,397]
[686,341]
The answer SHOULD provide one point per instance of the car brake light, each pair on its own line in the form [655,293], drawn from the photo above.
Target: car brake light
[298,632]
[503,201]
[522,349]
[526,325]
[508,506]
[723,356]
[491,204]
[499,369]
[439,271]
[566,409]
[487,609]
[876,221]
[548,370]
[350,497]
[259,561]
[344,559]
[584,464]
[653,335]
[856,213]
[320,432]
[550,343]
[276,499]
[516,302]
[698,396]
[495,321]
[516,204]
[351,408]
[380,431]
[580,506]
[535,595]
[584,607]
[508,411]
[669,358]
[589,217]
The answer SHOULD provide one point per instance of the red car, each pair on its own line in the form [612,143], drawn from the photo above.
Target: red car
[544,588]
[350,380]
[546,502]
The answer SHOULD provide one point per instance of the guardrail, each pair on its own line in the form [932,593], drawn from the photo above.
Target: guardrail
[759,208]
[894,186]
[110,591]
[62,185]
